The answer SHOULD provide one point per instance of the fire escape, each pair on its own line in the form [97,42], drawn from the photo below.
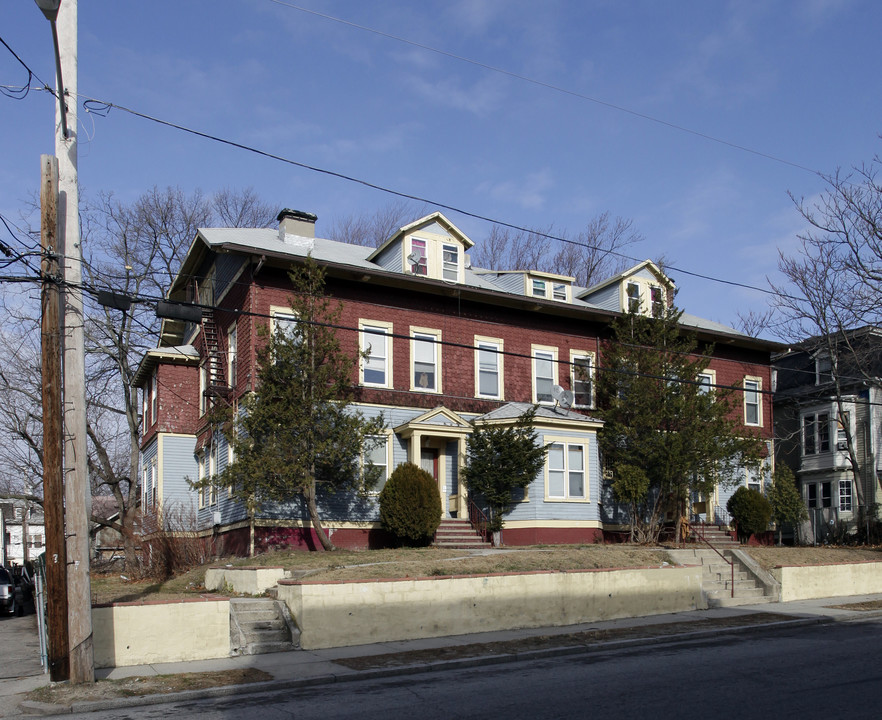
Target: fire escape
[216,385]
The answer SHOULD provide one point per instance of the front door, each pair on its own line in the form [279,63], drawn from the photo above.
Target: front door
[429,463]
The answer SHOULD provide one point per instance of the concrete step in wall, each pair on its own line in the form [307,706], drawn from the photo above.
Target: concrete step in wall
[717,576]
[261,625]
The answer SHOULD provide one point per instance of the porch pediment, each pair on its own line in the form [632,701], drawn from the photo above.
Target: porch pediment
[437,421]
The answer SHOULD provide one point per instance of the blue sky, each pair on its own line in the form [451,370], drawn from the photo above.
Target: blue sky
[796,80]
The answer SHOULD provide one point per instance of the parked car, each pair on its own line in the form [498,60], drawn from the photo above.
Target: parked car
[8,594]
[24,582]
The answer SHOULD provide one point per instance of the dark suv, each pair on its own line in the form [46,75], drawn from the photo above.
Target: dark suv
[8,595]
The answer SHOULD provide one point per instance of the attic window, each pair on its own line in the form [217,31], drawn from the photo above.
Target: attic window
[823,369]
[539,288]
[418,260]
[450,270]
[633,297]
[658,303]
[559,292]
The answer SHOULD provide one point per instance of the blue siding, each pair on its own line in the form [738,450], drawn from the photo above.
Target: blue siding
[178,465]
[607,298]
[226,267]
[390,258]
[508,282]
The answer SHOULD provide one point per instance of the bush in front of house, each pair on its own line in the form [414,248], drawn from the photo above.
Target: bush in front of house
[751,510]
[410,505]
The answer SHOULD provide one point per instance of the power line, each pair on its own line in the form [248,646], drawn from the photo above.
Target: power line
[103,107]
[548,86]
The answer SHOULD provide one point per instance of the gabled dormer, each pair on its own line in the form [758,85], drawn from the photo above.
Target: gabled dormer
[431,247]
[643,288]
[532,283]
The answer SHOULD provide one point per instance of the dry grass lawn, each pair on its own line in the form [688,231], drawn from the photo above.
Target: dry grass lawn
[428,562]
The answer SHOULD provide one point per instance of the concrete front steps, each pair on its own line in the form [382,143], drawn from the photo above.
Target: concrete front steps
[459,534]
[715,535]
[717,577]
[261,625]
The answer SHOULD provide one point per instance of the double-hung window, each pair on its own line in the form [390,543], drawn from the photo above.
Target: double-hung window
[284,324]
[450,263]
[633,293]
[425,360]
[752,405]
[845,496]
[559,292]
[488,368]
[582,381]
[202,492]
[544,374]
[539,288]
[566,472]
[154,392]
[419,257]
[706,381]
[657,300]
[376,454]
[815,433]
[376,348]
[232,355]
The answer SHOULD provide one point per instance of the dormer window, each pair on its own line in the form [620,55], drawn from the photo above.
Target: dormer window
[450,270]
[633,291]
[539,288]
[418,259]
[823,369]
[658,303]
[559,292]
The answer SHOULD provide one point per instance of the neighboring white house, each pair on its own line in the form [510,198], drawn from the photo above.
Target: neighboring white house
[24,533]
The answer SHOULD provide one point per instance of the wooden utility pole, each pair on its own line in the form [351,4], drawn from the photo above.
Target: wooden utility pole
[53,490]
[77,493]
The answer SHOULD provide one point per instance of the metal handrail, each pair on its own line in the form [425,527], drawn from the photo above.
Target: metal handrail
[479,521]
[700,535]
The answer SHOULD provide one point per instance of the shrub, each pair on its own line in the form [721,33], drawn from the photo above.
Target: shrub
[751,510]
[410,505]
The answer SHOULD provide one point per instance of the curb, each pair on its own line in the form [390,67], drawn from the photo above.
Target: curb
[29,707]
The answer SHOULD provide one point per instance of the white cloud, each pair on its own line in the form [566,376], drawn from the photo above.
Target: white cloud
[529,193]
[482,98]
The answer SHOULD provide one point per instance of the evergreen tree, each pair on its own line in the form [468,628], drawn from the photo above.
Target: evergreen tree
[787,505]
[297,432]
[665,434]
[500,459]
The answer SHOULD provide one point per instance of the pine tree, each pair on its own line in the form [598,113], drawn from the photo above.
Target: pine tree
[787,504]
[500,459]
[297,432]
[665,435]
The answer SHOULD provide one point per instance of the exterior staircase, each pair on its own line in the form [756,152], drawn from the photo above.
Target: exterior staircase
[261,625]
[717,576]
[454,533]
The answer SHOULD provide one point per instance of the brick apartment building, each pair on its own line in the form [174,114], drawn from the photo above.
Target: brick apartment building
[447,343]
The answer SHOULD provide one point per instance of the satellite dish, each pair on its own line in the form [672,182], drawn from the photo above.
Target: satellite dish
[414,258]
[562,396]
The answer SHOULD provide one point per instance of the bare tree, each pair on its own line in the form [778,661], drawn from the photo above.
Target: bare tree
[134,250]
[373,229]
[591,255]
[833,286]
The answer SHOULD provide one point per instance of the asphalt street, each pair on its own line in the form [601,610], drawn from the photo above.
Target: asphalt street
[814,671]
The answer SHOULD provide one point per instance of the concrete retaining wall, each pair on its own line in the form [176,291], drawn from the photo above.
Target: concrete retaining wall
[353,613]
[244,580]
[142,633]
[819,581]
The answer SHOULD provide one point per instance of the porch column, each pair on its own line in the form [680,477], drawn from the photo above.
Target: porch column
[416,441]
[462,492]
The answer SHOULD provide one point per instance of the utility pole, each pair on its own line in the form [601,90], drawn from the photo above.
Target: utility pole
[76,483]
[53,487]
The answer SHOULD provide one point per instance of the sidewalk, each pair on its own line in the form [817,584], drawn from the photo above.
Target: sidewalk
[303,668]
